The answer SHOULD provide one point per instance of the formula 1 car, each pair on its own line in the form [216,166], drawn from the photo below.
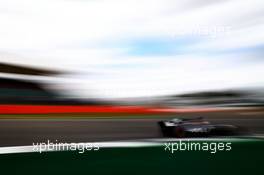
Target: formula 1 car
[196,127]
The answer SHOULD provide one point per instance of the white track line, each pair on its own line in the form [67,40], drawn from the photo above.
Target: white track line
[125,144]
[61,147]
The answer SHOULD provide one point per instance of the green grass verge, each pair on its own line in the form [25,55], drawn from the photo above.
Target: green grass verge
[244,158]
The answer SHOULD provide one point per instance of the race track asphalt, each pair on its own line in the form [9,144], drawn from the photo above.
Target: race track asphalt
[18,132]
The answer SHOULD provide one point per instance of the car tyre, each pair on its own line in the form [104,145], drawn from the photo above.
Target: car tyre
[179,132]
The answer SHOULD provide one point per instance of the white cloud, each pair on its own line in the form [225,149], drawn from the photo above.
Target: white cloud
[71,35]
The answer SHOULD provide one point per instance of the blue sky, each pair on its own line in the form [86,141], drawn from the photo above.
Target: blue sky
[158,46]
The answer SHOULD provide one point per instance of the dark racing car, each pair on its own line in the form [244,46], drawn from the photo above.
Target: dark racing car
[196,127]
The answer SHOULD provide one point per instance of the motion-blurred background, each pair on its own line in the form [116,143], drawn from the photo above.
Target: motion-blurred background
[155,57]
[133,50]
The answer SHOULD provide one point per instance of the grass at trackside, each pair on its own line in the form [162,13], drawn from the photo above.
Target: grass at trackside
[244,158]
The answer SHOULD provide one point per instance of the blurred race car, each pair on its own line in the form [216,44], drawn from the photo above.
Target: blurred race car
[196,127]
